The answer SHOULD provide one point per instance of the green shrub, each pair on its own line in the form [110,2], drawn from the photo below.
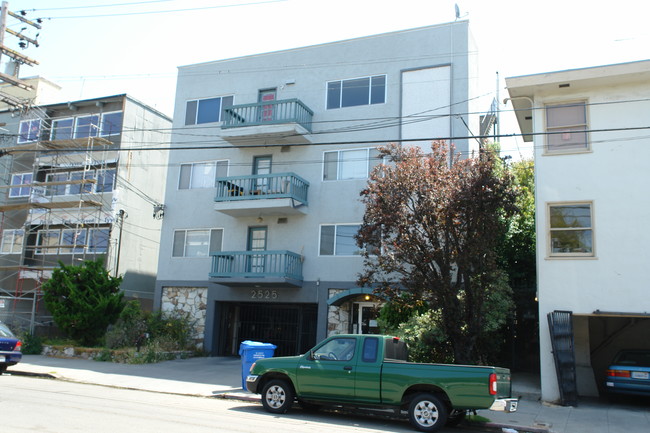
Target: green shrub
[425,338]
[32,344]
[130,328]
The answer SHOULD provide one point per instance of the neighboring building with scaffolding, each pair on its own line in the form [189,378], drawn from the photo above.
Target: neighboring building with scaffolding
[75,186]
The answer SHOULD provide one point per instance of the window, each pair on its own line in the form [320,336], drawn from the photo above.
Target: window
[350,164]
[202,174]
[87,126]
[337,349]
[12,241]
[79,176]
[111,124]
[20,180]
[98,240]
[571,229]
[105,180]
[566,126]
[196,243]
[75,238]
[48,241]
[206,110]
[357,91]
[62,129]
[338,240]
[55,178]
[29,131]
[370,346]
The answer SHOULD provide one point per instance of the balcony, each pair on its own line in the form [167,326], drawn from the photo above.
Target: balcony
[262,194]
[256,268]
[283,122]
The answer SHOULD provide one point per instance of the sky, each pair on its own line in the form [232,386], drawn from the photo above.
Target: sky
[95,48]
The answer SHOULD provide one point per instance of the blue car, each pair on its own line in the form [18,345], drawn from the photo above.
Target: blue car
[9,348]
[629,373]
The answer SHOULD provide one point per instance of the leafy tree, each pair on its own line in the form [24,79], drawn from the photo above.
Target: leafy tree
[432,226]
[84,300]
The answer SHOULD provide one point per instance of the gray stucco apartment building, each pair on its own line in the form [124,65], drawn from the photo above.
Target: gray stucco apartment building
[262,199]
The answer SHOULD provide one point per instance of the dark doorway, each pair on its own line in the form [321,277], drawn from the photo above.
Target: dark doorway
[291,327]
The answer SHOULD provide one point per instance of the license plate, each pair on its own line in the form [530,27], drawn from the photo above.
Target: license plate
[640,375]
[2,358]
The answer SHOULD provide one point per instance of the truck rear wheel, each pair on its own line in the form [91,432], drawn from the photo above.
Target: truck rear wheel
[277,396]
[427,413]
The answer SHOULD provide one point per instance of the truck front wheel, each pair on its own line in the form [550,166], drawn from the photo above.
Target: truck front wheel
[427,413]
[277,396]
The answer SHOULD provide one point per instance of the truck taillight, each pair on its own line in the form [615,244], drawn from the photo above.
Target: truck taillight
[19,346]
[493,384]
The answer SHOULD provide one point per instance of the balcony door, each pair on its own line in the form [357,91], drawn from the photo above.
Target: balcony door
[261,166]
[267,111]
[256,242]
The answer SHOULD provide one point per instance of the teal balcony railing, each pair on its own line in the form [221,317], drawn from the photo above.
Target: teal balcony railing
[262,186]
[268,113]
[256,265]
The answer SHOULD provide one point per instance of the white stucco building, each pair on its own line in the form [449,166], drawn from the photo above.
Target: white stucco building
[592,145]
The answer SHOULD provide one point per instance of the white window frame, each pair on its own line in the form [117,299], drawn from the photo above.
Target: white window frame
[195,121]
[560,130]
[21,139]
[101,172]
[76,247]
[341,82]
[192,167]
[54,128]
[9,239]
[550,230]
[209,244]
[335,243]
[102,121]
[47,250]
[93,249]
[371,152]
[16,186]
[84,188]
[91,127]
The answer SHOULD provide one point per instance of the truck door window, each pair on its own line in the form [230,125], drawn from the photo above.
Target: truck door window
[338,349]
[370,350]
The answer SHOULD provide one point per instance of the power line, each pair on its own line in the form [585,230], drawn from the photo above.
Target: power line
[164,11]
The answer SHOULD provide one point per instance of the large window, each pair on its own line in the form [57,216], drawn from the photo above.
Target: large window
[30,130]
[206,110]
[73,241]
[12,241]
[98,240]
[22,182]
[570,229]
[81,187]
[87,126]
[62,129]
[196,243]
[111,123]
[202,174]
[338,240]
[350,164]
[105,180]
[566,126]
[357,91]
[48,241]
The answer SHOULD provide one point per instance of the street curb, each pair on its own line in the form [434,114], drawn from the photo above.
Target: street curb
[500,427]
[240,397]
[31,374]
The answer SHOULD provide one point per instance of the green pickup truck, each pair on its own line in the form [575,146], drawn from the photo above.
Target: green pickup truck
[372,371]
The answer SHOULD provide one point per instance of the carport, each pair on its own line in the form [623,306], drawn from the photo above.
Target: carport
[596,338]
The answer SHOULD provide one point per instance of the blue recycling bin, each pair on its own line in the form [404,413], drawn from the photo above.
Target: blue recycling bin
[251,351]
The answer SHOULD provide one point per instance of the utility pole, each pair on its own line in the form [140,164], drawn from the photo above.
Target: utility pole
[17,58]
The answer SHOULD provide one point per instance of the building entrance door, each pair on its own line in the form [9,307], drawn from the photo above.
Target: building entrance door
[364,318]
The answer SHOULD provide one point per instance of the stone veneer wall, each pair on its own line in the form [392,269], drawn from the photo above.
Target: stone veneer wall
[338,318]
[191,301]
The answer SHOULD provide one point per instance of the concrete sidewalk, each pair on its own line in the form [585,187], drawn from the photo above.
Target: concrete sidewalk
[222,377]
